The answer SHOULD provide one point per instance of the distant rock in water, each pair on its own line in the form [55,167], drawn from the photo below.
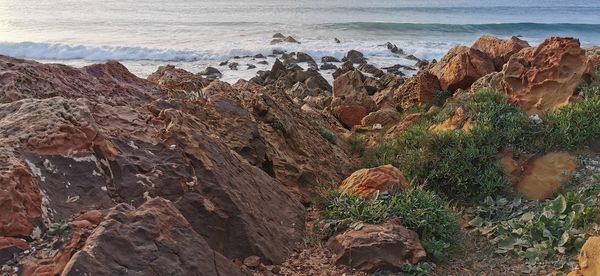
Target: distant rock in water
[336,40]
[329,59]
[291,40]
[328,66]
[278,35]
[393,48]
[233,66]
[211,73]
[355,57]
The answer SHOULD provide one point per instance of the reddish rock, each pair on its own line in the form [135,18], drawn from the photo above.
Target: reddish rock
[154,239]
[420,89]
[383,117]
[366,182]
[461,67]
[373,247]
[500,50]
[544,78]
[9,247]
[179,83]
[349,89]
[350,115]
[589,258]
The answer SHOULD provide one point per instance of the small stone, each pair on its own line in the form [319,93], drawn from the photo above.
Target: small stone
[252,261]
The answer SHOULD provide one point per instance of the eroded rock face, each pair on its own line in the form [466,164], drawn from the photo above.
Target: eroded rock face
[366,182]
[461,67]
[544,78]
[373,247]
[421,88]
[383,117]
[351,101]
[499,50]
[154,239]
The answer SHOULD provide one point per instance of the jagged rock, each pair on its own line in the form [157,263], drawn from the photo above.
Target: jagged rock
[354,57]
[372,85]
[498,49]
[154,239]
[382,116]
[366,182]
[404,124]
[178,83]
[328,66]
[544,78]
[393,48]
[304,57]
[278,35]
[344,68]
[373,247]
[290,39]
[211,73]
[336,40]
[421,88]
[461,67]
[370,69]
[329,59]
[350,115]
[350,93]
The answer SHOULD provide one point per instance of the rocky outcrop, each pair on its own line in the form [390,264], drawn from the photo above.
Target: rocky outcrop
[377,247]
[154,239]
[366,182]
[461,67]
[355,57]
[351,101]
[420,89]
[544,78]
[383,117]
[499,50]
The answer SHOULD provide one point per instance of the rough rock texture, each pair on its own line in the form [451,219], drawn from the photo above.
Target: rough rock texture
[500,50]
[154,239]
[541,177]
[351,102]
[458,121]
[461,67]
[383,117]
[421,88]
[350,115]
[589,258]
[544,78]
[109,82]
[403,125]
[365,182]
[373,247]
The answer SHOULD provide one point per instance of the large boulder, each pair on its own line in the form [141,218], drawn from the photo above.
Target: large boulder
[420,89]
[154,239]
[544,78]
[461,67]
[350,115]
[377,247]
[366,182]
[382,117]
[589,258]
[351,101]
[500,50]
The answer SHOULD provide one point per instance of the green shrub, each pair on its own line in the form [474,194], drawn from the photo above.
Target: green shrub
[418,209]
[356,145]
[573,125]
[328,135]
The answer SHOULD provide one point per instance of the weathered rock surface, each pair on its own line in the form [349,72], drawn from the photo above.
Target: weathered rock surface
[383,117]
[589,258]
[366,182]
[373,247]
[500,50]
[421,88]
[355,57]
[154,239]
[461,67]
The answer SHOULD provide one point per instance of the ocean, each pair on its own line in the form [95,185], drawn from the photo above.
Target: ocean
[194,34]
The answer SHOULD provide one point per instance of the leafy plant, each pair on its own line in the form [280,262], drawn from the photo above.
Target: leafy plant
[419,269]
[58,228]
[356,145]
[328,135]
[573,125]
[548,232]
[418,209]
[276,124]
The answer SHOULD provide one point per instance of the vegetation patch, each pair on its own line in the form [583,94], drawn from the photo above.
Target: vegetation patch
[328,135]
[550,232]
[418,209]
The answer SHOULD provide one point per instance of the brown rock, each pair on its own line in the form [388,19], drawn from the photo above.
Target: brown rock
[373,247]
[350,115]
[544,78]
[383,117]
[155,239]
[419,89]
[461,67]
[499,50]
[9,247]
[403,125]
[252,261]
[365,182]
[589,258]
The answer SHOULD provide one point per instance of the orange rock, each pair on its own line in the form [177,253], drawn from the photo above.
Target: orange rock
[541,177]
[461,67]
[545,78]
[365,182]
[350,115]
[499,50]
[589,258]
[7,242]
[52,265]
[349,89]
[406,122]
[419,89]
[93,216]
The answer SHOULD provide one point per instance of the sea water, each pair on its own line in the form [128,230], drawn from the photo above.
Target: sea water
[193,34]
